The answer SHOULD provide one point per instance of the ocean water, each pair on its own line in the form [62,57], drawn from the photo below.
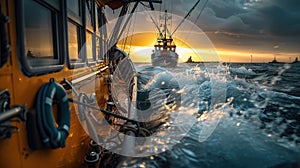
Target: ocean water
[233,115]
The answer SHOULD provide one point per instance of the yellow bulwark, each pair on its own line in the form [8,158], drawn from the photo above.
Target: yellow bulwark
[40,49]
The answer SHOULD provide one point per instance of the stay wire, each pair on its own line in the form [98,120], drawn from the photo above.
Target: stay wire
[127,32]
[102,110]
[126,36]
[196,20]
[133,29]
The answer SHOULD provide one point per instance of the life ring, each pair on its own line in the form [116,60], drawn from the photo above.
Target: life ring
[53,137]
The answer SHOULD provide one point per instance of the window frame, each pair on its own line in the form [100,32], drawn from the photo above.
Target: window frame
[91,30]
[101,33]
[58,49]
[91,61]
[78,21]
[80,39]
[81,22]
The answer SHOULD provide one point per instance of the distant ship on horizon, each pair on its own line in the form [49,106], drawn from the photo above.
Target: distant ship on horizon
[296,61]
[274,61]
[190,60]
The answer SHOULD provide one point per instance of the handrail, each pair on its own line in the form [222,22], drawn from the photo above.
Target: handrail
[14,112]
[70,84]
[80,79]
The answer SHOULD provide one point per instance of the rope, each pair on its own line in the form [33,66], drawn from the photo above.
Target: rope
[196,20]
[154,22]
[201,11]
[102,110]
[186,16]
[127,33]
[132,35]
[126,22]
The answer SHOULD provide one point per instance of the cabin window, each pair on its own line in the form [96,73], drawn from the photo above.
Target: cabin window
[74,10]
[90,31]
[98,50]
[97,12]
[97,34]
[73,41]
[39,34]
[76,36]
[89,46]
[73,5]
[89,13]
[101,29]
[38,24]
[84,45]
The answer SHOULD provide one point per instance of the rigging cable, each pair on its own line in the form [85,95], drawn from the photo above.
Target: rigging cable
[113,37]
[126,22]
[102,110]
[130,43]
[126,35]
[196,20]
[202,9]
[154,22]
[186,16]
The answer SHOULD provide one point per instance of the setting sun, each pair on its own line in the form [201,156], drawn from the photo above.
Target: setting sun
[140,47]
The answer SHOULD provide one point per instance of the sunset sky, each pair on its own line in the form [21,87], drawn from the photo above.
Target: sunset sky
[227,30]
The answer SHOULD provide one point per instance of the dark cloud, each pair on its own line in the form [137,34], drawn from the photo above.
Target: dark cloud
[225,9]
[274,17]
[245,23]
[270,17]
[281,21]
[258,24]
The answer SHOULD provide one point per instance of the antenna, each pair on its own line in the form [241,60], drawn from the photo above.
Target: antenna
[166,13]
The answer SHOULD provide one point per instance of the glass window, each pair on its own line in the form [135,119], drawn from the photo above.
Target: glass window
[98,54]
[73,40]
[73,5]
[89,13]
[38,37]
[96,19]
[89,45]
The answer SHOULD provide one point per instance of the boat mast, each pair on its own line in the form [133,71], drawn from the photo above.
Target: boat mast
[166,13]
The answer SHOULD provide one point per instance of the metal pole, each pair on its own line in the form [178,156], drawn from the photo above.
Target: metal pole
[14,112]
